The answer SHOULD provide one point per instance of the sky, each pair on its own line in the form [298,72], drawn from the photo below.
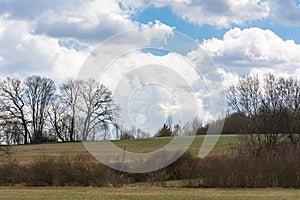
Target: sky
[55,38]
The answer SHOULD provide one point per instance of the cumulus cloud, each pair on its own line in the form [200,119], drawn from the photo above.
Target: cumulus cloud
[242,50]
[86,20]
[152,87]
[149,87]
[25,53]
[54,38]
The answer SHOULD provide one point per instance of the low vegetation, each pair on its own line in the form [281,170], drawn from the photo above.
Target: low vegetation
[233,169]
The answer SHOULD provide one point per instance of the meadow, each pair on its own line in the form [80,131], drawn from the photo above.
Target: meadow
[28,153]
[171,189]
[145,193]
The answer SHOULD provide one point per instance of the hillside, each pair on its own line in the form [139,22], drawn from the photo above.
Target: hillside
[27,153]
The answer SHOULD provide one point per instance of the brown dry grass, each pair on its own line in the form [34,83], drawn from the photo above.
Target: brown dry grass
[28,153]
[134,193]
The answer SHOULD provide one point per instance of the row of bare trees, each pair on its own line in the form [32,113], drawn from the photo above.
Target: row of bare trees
[32,110]
[267,111]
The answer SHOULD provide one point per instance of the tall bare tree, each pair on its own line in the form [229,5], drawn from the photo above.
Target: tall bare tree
[280,108]
[39,91]
[70,96]
[58,119]
[98,107]
[12,93]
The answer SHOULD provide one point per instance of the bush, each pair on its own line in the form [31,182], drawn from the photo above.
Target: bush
[278,167]
[59,171]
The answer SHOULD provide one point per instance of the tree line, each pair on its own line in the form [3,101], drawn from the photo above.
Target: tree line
[266,111]
[34,110]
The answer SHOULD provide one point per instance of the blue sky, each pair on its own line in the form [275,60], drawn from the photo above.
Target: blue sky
[207,31]
[166,16]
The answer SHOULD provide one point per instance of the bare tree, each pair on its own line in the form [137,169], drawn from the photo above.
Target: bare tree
[28,108]
[196,125]
[281,108]
[177,130]
[12,93]
[270,110]
[169,122]
[39,95]
[245,99]
[97,107]
[70,94]
[58,120]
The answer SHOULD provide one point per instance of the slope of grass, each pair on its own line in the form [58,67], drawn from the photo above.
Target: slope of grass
[131,193]
[27,153]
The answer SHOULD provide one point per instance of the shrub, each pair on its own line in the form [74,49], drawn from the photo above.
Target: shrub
[279,167]
[275,168]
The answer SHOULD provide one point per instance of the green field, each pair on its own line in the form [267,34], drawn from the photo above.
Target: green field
[136,193]
[27,153]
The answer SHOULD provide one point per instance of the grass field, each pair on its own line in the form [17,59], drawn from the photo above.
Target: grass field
[27,153]
[136,193]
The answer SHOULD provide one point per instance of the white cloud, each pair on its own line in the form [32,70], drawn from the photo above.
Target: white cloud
[215,12]
[286,12]
[158,86]
[88,20]
[149,35]
[225,13]
[25,53]
[180,86]
[242,50]
[221,12]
